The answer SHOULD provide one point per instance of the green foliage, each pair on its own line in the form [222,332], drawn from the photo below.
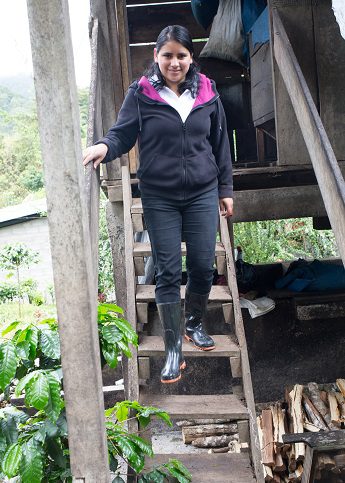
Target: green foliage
[115,333]
[17,255]
[20,153]
[8,291]
[271,241]
[105,263]
[36,448]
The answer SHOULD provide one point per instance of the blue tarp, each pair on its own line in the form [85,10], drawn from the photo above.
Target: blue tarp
[260,29]
[313,276]
[251,10]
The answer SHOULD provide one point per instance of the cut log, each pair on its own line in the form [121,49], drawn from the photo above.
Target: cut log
[341,385]
[189,433]
[213,441]
[196,422]
[310,427]
[341,403]
[224,449]
[279,465]
[297,418]
[325,462]
[234,447]
[298,472]
[333,407]
[313,414]
[319,404]
[292,458]
[267,449]
[278,425]
[268,474]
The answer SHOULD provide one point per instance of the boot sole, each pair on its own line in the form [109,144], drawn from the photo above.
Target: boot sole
[171,381]
[189,339]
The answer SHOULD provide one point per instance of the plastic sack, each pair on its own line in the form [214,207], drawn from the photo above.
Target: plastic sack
[204,11]
[226,37]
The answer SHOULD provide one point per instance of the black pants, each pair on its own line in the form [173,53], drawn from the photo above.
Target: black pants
[168,222]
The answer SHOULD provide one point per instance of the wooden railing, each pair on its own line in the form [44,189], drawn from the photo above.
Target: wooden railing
[326,168]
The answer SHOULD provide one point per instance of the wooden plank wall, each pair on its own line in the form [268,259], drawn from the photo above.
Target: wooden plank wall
[330,64]
[158,16]
[320,50]
[297,18]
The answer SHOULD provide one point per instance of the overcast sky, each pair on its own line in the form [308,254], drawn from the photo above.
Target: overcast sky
[15,52]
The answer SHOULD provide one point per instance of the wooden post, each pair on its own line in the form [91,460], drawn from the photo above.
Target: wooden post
[68,220]
[327,171]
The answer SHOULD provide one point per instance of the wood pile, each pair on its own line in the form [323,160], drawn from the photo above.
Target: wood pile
[306,408]
[219,435]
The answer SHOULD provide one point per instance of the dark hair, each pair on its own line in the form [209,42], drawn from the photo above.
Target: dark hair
[181,35]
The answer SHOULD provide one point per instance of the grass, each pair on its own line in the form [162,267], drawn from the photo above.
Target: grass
[29,313]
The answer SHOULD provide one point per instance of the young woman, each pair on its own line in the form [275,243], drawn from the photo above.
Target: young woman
[185,176]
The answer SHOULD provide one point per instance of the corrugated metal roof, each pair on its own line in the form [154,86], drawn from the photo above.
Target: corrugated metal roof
[19,213]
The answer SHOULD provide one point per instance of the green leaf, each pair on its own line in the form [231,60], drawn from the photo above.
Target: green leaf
[10,327]
[8,427]
[32,337]
[113,463]
[23,349]
[105,308]
[50,344]
[179,476]
[181,467]
[23,382]
[130,452]
[55,402]
[8,363]
[32,462]
[11,461]
[144,445]
[111,334]
[37,392]
[127,330]
[147,412]
[55,451]
[125,349]
[155,476]
[110,355]
[122,412]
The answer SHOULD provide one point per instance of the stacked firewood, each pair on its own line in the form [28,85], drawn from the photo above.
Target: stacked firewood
[306,408]
[219,435]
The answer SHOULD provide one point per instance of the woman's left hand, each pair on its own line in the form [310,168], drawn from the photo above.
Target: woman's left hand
[226,206]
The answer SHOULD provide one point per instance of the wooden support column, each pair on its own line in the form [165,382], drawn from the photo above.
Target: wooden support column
[76,298]
[327,171]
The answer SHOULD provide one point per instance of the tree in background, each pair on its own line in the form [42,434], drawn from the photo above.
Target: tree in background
[276,240]
[14,258]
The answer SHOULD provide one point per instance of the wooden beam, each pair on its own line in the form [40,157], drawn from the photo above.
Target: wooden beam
[327,171]
[57,105]
[322,441]
[240,334]
[277,203]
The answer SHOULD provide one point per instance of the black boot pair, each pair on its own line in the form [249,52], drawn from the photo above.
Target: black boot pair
[170,316]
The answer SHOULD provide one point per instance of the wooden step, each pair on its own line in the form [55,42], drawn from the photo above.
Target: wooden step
[144,249]
[219,293]
[136,207]
[154,346]
[211,468]
[194,407]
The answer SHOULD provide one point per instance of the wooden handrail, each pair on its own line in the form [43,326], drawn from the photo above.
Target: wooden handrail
[92,176]
[327,171]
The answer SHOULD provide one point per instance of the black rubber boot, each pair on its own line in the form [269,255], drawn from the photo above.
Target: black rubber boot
[170,316]
[195,310]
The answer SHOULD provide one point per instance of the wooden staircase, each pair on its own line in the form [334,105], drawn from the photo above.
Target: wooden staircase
[238,406]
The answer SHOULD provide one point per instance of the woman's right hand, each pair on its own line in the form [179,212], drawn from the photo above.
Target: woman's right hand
[95,153]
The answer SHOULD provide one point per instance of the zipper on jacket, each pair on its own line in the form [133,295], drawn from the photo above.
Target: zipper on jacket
[184,167]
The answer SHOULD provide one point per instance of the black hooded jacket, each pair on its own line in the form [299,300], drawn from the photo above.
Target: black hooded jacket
[178,160]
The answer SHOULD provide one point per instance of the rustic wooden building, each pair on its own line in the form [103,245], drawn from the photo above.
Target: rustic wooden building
[287,115]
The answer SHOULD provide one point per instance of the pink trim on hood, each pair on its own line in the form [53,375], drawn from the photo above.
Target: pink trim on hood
[149,90]
[206,92]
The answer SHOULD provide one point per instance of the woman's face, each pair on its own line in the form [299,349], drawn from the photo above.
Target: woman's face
[174,61]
